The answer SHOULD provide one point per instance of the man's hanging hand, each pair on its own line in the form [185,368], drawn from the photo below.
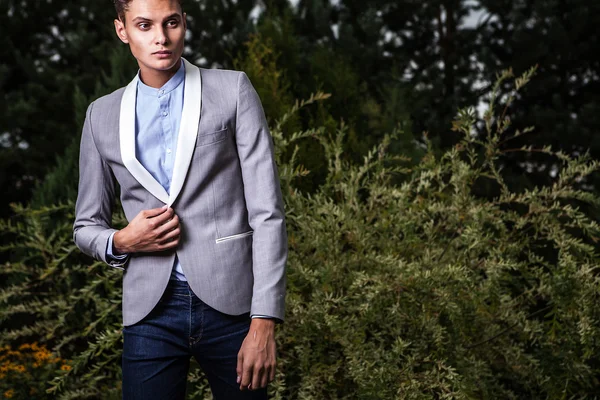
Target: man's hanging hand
[256,358]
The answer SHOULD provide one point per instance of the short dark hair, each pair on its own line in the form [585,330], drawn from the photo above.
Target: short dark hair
[123,5]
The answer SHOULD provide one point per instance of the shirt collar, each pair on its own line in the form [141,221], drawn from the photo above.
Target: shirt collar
[171,84]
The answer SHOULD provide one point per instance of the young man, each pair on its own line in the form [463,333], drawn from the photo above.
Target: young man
[205,249]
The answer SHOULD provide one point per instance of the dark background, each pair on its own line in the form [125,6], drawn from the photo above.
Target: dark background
[401,64]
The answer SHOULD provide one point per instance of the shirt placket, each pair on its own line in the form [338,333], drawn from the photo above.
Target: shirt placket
[167,139]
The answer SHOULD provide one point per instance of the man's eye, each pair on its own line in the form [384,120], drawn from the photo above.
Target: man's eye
[144,26]
[172,23]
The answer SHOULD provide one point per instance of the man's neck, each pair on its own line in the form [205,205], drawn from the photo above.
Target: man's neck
[157,79]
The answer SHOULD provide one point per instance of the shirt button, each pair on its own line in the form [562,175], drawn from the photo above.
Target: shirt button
[162,91]
[168,151]
[165,114]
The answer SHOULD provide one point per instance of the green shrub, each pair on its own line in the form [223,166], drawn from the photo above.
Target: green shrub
[419,289]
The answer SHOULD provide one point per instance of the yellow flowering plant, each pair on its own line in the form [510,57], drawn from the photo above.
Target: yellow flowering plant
[26,369]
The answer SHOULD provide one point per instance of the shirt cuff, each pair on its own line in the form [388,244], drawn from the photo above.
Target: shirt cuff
[261,316]
[277,320]
[113,259]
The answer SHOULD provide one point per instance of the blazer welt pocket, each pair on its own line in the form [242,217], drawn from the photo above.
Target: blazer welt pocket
[212,137]
[232,237]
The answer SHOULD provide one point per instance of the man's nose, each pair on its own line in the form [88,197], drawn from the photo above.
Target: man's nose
[161,36]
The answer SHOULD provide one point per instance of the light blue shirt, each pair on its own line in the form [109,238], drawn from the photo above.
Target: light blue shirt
[157,119]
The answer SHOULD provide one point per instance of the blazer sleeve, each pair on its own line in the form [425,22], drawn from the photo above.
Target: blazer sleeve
[95,196]
[264,202]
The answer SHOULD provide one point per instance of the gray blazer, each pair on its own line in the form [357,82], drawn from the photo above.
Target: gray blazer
[225,190]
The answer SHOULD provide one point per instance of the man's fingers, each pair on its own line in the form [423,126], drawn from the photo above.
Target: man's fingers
[167,245]
[162,218]
[272,372]
[167,237]
[265,378]
[246,377]
[154,229]
[167,226]
[257,376]
[238,367]
[154,212]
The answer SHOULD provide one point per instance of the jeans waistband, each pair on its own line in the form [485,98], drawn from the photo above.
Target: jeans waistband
[176,286]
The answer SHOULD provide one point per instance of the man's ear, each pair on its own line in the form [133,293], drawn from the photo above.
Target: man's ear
[121,32]
[184,21]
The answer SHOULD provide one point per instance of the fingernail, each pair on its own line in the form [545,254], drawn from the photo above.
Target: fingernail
[238,379]
[165,207]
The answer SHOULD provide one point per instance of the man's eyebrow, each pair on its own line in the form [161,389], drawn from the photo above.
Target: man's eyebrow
[174,15]
[140,19]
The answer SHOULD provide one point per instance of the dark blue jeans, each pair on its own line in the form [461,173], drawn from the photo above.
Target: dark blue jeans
[157,350]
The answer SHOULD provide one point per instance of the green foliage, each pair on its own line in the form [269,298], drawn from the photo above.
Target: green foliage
[51,48]
[418,290]
[315,63]
[54,295]
[60,183]
[259,62]
[428,291]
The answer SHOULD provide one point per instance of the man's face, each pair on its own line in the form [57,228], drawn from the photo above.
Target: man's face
[155,32]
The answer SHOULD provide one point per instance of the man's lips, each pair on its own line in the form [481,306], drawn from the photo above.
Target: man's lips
[163,52]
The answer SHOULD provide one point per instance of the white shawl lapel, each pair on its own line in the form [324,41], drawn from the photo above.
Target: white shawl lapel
[188,128]
[186,140]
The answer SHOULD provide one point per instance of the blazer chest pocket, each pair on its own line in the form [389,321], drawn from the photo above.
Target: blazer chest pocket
[212,137]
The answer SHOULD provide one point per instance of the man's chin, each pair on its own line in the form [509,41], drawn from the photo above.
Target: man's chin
[160,65]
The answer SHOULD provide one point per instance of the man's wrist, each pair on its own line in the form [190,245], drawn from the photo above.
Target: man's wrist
[263,323]
[119,246]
